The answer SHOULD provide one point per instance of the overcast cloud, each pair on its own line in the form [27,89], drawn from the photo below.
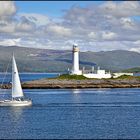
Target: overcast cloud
[108,26]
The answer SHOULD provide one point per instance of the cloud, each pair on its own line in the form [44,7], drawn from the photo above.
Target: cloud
[9,42]
[7,27]
[135,49]
[108,35]
[25,25]
[110,20]
[37,19]
[93,35]
[58,30]
[121,9]
[7,9]
[107,26]
[137,42]
[127,23]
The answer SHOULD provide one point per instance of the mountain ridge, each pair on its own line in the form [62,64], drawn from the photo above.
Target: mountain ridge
[49,60]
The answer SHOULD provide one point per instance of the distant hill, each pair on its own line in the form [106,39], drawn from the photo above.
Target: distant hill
[133,70]
[46,60]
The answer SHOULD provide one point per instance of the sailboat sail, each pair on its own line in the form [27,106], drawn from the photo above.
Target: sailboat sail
[16,85]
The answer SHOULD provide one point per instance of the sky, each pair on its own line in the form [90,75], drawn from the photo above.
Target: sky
[93,25]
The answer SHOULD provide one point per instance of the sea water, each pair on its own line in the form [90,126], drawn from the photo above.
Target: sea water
[7,77]
[73,113]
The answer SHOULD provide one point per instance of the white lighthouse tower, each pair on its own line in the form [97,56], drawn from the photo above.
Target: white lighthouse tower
[75,68]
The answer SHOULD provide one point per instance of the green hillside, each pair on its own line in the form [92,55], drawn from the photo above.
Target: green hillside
[45,60]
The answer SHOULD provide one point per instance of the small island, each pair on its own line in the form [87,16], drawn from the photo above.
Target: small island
[79,81]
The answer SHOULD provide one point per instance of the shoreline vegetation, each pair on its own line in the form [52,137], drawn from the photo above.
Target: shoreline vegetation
[76,81]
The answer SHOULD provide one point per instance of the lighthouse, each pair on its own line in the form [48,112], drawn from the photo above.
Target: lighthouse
[75,53]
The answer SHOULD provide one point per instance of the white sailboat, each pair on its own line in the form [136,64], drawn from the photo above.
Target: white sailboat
[18,98]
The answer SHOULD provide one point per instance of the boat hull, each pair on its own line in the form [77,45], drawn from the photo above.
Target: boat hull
[16,103]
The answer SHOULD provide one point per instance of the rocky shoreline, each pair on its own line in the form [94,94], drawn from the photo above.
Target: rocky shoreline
[60,83]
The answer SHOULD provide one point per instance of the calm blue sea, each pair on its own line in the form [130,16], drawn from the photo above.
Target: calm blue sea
[73,113]
[6,78]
